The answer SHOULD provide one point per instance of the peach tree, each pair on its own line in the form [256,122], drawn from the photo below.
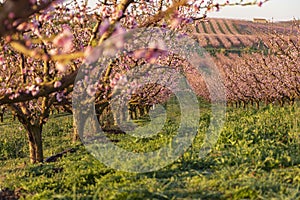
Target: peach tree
[44,43]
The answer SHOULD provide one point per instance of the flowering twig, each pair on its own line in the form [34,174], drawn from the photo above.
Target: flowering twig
[42,55]
[14,12]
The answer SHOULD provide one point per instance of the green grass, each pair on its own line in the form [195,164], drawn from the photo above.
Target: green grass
[257,156]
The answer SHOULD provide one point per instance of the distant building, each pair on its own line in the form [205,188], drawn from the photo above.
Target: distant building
[260,20]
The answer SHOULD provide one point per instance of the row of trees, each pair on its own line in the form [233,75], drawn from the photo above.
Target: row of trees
[221,32]
[260,77]
[45,42]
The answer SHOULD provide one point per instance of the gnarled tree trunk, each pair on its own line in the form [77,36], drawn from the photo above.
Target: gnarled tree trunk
[34,135]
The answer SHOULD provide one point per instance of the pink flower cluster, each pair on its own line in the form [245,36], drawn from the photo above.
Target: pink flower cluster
[64,40]
[33,89]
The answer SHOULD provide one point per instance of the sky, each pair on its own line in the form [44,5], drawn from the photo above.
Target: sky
[276,10]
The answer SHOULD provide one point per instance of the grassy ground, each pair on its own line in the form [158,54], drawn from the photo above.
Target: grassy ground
[257,156]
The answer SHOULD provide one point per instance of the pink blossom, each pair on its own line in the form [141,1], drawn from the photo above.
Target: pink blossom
[117,14]
[8,91]
[104,27]
[196,7]
[1,60]
[113,83]
[91,90]
[61,67]
[104,10]
[59,96]
[47,17]
[153,56]
[35,91]
[91,55]
[260,3]
[53,51]
[132,22]
[123,80]
[140,53]
[159,44]
[57,84]
[30,88]
[119,42]
[14,95]
[119,30]
[32,1]
[11,15]
[23,26]
[64,40]
[38,80]
[175,23]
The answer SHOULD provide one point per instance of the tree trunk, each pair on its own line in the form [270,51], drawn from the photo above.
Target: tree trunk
[2,113]
[34,134]
[76,137]
[257,104]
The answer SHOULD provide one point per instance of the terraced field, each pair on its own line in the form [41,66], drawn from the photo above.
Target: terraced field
[228,33]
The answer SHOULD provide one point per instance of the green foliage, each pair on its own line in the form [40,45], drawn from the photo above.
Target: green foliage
[256,157]
[13,143]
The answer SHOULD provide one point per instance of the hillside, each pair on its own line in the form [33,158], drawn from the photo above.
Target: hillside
[235,34]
